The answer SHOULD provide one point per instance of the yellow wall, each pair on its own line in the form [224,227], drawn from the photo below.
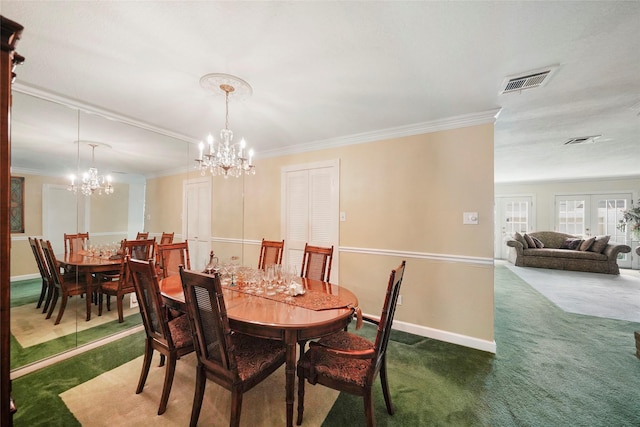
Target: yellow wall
[404,199]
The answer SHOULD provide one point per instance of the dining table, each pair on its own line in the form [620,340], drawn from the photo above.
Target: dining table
[323,309]
[89,264]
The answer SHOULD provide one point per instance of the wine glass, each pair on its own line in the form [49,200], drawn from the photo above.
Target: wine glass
[270,278]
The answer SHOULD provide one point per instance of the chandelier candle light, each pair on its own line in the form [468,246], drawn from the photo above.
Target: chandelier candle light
[91,181]
[225,157]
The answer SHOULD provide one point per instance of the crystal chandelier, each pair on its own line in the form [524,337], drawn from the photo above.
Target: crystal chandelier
[225,157]
[91,181]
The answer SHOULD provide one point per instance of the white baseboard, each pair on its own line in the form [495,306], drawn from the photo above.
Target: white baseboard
[25,277]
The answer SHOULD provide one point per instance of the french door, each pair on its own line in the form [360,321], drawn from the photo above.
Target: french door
[511,214]
[310,210]
[587,215]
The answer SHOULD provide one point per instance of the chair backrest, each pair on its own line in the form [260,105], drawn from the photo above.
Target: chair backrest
[171,256]
[209,323]
[40,261]
[74,242]
[386,318]
[51,263]
[316,262]
[270,253]
[166,238]
[154,317]
[142,235]
[142,249]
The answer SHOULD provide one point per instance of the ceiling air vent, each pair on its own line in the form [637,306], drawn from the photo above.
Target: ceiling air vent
[529,80]
[583,140]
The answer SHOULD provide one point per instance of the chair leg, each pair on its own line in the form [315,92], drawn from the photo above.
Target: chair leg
[168,382]
[54,301]
[100,298]
[301,381]
[369,413]
[385,386]
[201,381]
[120,309]
[146,364]
[50,291]
[236,408]
[63,305]
[161,360]
[43,293]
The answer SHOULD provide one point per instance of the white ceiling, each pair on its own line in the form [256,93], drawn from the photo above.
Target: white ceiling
[326,73]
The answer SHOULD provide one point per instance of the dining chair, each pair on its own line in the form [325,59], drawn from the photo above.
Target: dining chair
[171,256]
[232,360]
[270,253]
[166,238]
[348,362]
[171,338]
[142,235]
[75,242]
[47,281]
[316,263]
[120,284]
[64,286]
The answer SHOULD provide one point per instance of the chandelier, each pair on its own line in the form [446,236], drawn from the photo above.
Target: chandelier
[225,157]
[91,181]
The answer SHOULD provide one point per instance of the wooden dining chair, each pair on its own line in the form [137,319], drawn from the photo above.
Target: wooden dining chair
[47,281]
[172,255]
[120,284]
[348,362]
[142,235]
[316,263]
[270,253]
[234,361]
[64,286]
[75,242]
[171,338]
[166,238]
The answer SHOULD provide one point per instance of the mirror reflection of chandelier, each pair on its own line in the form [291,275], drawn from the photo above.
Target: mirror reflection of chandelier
[225,157]
[91,181]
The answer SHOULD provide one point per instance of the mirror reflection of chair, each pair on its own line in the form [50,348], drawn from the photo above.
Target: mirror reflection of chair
[316,263]
[121,284]
[64,286]
[171,338]
[347,362]
[232,360]
[270,253]
[171,256]
[166,238]
[142,235]
[75,242]
[47,281]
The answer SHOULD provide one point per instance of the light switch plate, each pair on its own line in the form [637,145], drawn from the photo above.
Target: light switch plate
[470,218]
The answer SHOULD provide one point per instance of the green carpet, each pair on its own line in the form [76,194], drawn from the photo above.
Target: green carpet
[551,369]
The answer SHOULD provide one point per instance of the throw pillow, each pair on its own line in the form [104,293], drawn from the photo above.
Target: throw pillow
[538,242]
[599,244]
[530,241]
[571,244]
[518,237]
[587,244]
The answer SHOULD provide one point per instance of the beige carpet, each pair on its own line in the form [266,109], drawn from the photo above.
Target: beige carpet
[30,327]
[110,399]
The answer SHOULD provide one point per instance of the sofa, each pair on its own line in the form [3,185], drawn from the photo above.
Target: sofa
[560,251]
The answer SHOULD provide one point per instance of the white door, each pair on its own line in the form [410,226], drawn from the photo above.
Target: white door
[196,220]
[62,212]
[310,210]
[511,214]
[587,215]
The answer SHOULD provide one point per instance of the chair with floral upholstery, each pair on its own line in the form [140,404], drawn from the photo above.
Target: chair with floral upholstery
[270,253]
[348,362]
[47,280]
[232,360]
[316,262]
[171,338]
[171,256]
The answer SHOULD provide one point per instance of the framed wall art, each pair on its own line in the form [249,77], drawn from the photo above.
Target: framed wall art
[16,207]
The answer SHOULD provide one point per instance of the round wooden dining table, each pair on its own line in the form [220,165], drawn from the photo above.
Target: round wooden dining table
[88,265]
[269,318]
